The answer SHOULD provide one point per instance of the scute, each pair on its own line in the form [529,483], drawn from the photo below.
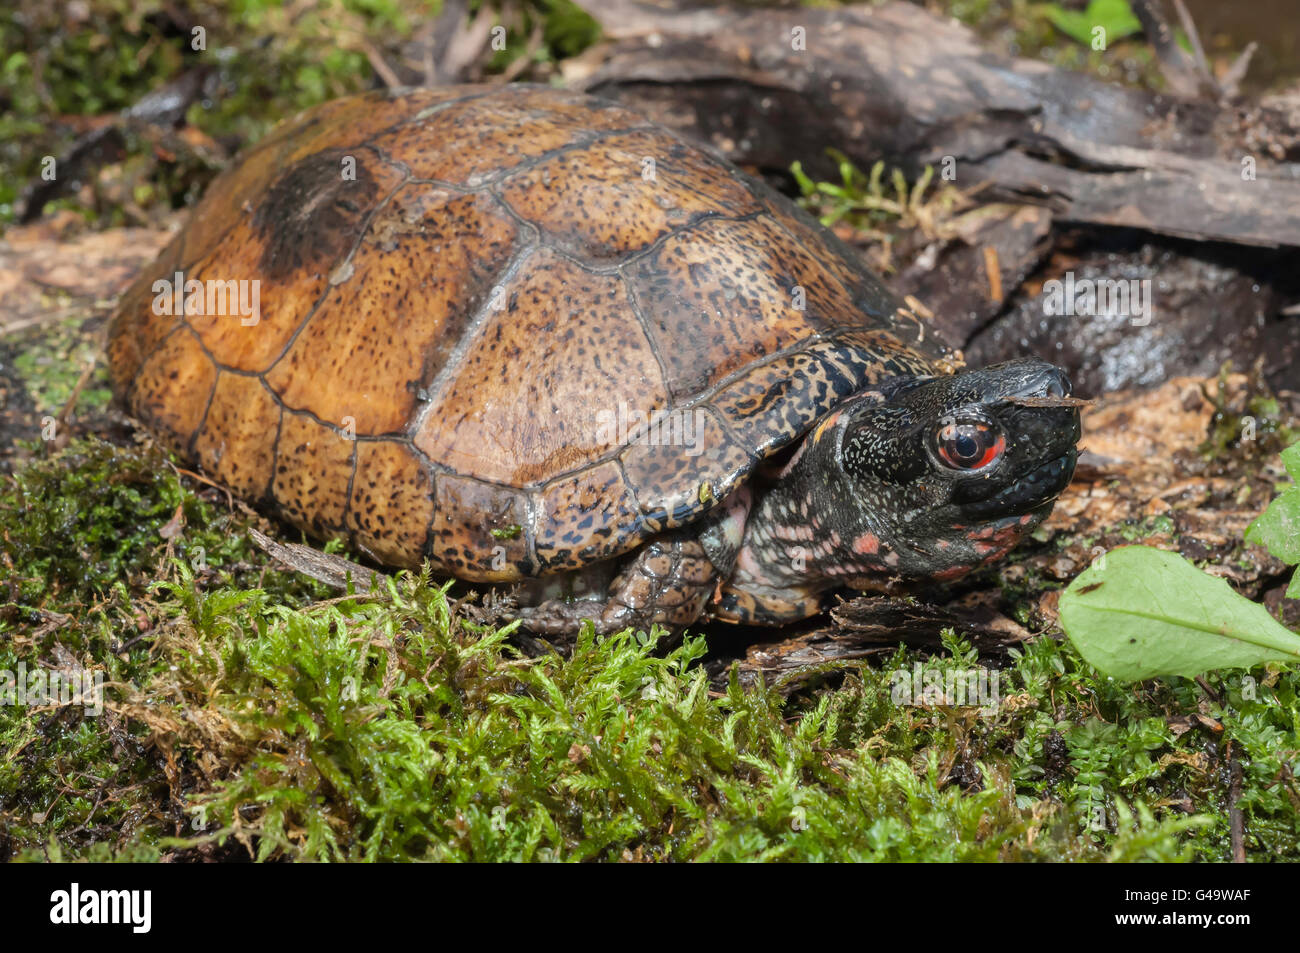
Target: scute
[495,134]
[391,502]
[293,253]
[727,293]
[643,192]
[173,388]
[527,399]
[677,480]
[579,518]
[313,470]
[377,335]
[480,531]
[141,331]
[237,441]
[512,331]
[342,124]
[774,401]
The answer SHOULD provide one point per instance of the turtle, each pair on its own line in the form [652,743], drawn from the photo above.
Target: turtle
[536,341]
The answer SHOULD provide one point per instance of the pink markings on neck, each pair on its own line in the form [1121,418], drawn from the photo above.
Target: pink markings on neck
[868,544]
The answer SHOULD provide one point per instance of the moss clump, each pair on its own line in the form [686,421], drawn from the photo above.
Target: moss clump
[96,519]
[85,521]
[387,729]
[50,363]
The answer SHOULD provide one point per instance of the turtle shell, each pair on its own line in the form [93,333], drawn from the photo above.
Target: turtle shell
[512,330]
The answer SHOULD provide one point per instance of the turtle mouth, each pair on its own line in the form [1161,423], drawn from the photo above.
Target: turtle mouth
[1037,488]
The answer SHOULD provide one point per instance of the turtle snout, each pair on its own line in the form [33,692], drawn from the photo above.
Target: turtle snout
[1056,383]
[1043,380]
[1024,378]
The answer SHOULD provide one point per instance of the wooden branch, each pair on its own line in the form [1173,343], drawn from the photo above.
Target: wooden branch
[1176,66]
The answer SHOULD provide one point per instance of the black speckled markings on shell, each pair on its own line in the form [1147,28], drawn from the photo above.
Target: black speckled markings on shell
[496,274]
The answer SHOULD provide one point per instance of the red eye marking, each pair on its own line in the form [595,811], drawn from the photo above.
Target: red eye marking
[969,445]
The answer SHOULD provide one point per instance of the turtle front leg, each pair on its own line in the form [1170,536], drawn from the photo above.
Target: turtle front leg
[669,582]
[666,583]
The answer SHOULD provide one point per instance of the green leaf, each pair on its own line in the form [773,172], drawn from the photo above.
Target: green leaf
[1114,16]
[1291,460]
[1149,613]
[1278,527]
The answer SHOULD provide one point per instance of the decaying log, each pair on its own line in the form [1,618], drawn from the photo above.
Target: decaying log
[771,86]
[1207,305]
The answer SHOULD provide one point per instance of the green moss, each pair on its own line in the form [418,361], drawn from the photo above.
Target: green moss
[566,30]
[1134,530]
[50,361]
[1253,426]
[74,785]
[866,201]
[89,522]
[249,712]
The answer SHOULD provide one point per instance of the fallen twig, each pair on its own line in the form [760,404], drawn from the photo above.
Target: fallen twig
[334,571]
[1236,819]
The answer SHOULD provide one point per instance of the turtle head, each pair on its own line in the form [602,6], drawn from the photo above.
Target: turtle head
[937,476]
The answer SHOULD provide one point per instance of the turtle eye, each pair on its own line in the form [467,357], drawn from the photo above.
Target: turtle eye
[969,445]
